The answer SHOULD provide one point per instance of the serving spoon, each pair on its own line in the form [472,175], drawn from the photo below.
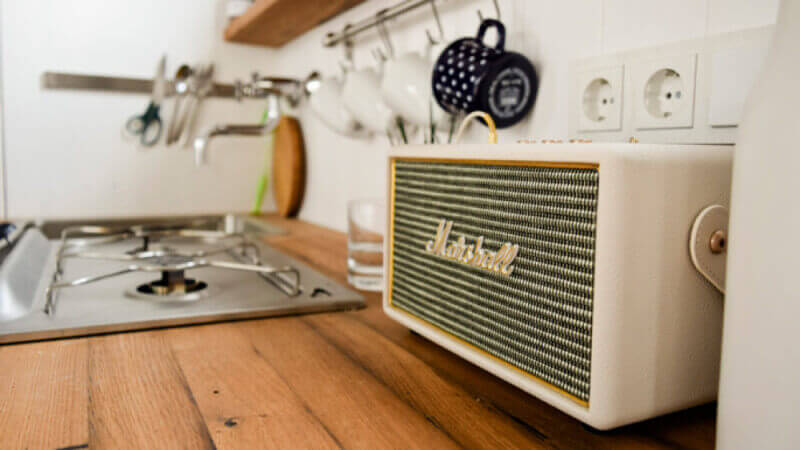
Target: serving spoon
[182,76]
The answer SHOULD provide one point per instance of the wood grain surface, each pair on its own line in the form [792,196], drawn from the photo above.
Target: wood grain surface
[273,23]
[44,395]
[336,380]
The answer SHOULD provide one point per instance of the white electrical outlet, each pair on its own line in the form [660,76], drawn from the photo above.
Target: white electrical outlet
[600,99]
[663,92]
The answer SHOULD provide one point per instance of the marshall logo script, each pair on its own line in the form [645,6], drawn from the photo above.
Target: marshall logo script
[474,254]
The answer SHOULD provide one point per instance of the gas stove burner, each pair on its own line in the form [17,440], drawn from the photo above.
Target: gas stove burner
[173,286]
[59,279]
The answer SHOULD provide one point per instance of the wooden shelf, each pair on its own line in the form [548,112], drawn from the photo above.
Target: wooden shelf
[272,23]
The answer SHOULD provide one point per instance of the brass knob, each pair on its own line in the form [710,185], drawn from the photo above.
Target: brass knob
[718,241]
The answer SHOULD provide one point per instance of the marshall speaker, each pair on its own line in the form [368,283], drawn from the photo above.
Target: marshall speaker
[563,269]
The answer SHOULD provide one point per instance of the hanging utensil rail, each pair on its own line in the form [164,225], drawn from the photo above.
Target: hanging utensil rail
[350,30]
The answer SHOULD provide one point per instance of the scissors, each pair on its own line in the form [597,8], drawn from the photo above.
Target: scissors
[148,125]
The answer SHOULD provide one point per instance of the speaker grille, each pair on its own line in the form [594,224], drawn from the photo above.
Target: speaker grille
[539,318]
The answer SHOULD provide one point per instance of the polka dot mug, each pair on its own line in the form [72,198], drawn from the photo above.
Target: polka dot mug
[470,76]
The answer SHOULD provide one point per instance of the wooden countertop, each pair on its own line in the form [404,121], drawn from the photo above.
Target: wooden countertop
[348,379]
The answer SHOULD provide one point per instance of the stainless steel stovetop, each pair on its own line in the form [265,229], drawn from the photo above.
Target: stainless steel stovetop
[61,279]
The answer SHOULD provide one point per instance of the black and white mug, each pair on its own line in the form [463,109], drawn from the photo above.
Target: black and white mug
[470,76]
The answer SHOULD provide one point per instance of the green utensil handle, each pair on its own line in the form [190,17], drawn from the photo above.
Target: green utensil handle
[263,181]
[260,190]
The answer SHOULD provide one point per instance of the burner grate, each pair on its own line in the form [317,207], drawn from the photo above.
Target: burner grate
[79,242]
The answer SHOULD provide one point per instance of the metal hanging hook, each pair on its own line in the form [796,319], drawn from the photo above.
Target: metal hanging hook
[438,20]
[379,56]
[496,11]
[347,46]
[384,32]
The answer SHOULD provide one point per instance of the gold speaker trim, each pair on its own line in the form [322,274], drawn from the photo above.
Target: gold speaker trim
[500,162]
[554,164]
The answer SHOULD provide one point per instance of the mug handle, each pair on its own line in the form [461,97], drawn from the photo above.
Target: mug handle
[501,32]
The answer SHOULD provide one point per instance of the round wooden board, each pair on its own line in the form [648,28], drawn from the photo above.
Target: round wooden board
[288,166]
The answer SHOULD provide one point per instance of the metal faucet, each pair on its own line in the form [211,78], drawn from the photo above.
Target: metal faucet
[271,88]
[260,129]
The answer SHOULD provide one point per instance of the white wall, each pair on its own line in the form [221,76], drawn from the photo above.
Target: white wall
[63,152]
[550,33]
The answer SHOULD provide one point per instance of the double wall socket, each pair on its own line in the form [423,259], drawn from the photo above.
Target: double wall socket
[685,92]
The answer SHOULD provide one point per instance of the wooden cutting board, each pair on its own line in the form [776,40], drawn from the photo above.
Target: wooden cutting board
[288,166]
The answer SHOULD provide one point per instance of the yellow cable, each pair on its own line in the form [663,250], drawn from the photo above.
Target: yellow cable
[473,115]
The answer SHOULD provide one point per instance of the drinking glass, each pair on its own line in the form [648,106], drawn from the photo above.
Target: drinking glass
[366,221]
